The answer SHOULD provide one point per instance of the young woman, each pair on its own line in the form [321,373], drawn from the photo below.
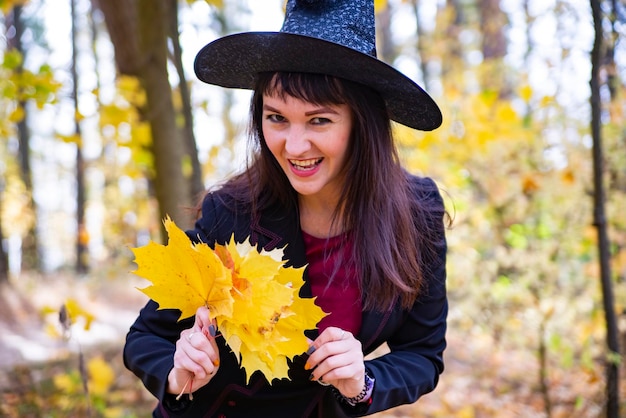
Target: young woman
[325,183]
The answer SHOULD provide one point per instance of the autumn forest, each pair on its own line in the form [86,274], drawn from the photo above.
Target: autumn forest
[105,131]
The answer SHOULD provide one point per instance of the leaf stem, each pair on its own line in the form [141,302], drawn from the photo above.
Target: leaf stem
[182,392]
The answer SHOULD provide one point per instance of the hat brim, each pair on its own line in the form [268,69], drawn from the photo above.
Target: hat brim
[234,61]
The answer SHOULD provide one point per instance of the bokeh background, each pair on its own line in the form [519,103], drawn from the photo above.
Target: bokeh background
[104,130]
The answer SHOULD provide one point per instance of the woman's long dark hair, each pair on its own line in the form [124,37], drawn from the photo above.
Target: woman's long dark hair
[393,233]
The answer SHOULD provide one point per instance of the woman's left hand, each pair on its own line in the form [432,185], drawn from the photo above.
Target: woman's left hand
[338,361]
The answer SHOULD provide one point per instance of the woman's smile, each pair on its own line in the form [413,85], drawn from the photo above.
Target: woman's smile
[305,167]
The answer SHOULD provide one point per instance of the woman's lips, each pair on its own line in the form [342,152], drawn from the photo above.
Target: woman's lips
[305,168]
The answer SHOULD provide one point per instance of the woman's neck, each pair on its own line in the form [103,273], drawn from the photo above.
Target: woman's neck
[317,217]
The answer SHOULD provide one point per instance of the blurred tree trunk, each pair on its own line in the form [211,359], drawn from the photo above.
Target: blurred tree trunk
[493,22]
[196,182]
[421,51]
[600,222]
[530,20]
[82,237]
[30,243]
[452,18]
[386,48]
[138,30]
[4,259]
[172,188]
[610,66]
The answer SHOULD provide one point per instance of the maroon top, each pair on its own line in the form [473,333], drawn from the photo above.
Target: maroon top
[340,296]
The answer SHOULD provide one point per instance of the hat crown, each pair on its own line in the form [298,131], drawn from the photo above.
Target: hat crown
[350,23]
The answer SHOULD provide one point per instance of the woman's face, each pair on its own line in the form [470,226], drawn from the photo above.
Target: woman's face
[310,143]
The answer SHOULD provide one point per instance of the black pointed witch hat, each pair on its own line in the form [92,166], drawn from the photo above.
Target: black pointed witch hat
[334,37]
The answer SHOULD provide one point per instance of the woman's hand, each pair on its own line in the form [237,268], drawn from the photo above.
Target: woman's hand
[338,361]
[197,357]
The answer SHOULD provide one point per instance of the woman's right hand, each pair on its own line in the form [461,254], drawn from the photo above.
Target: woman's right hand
[197,357]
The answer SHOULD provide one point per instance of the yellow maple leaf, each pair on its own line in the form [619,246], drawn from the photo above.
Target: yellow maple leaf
[252,295]
[270,318]
[101,376]
[184,275]
[75,311]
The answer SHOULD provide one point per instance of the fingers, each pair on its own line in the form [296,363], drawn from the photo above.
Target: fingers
[206,328]
[196,359]
[203,318]
[197,353]
[331,341]
[338,367]
[335,356]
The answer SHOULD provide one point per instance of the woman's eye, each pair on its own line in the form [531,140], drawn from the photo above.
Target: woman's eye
[272,117]
[320,121]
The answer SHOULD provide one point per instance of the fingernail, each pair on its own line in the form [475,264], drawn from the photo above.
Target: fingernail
[212,330]
[307,366]
[216,362]
[311,350]
[311,378]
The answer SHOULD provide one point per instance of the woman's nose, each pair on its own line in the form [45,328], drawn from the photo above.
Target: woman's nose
[296,141]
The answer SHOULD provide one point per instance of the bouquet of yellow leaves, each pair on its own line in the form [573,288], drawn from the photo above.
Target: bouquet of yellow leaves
[252,296]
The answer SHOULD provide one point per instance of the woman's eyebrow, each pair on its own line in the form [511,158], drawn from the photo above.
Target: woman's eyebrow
[321,110]
[270,108]
[318,111]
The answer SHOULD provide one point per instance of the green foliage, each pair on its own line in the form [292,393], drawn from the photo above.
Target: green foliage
[22,85]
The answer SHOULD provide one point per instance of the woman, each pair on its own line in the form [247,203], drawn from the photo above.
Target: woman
[324,183]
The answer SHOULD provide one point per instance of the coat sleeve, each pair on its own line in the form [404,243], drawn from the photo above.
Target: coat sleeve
[151,340]
[415,361]
[413,366]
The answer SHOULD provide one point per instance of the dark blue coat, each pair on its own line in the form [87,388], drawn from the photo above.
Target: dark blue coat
[416,337]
